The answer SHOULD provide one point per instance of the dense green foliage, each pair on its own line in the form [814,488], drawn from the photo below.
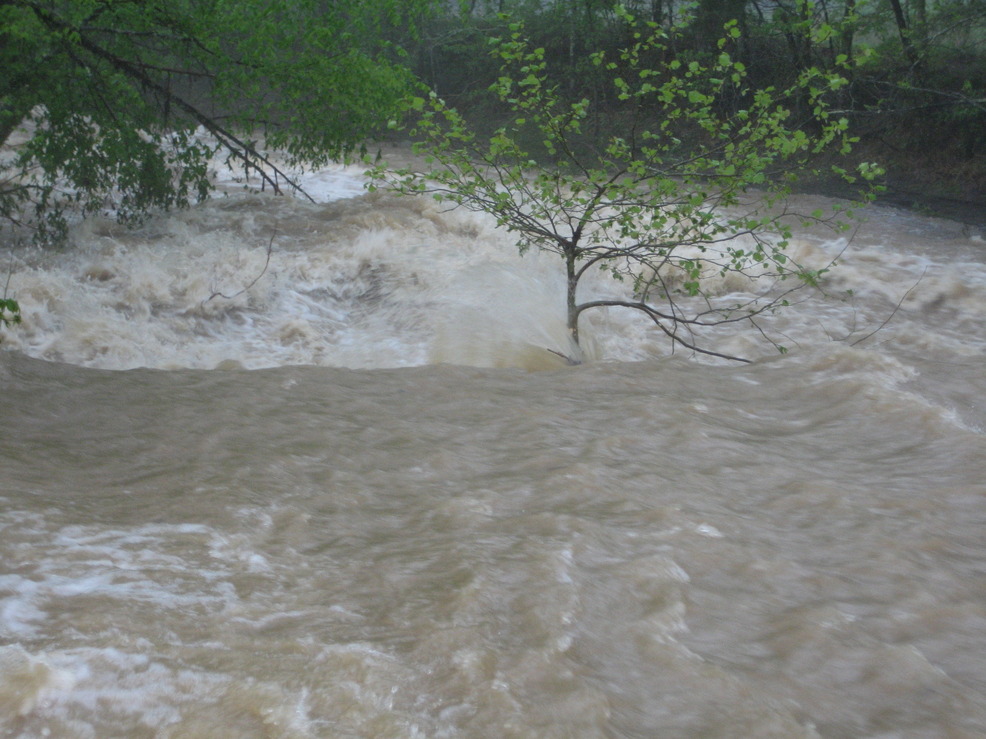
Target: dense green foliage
[127,100]
[665,200]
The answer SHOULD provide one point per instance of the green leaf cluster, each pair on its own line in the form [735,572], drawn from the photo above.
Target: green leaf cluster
[10,313]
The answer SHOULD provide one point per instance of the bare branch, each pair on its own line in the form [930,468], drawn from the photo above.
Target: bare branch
[893,312]
[254,281]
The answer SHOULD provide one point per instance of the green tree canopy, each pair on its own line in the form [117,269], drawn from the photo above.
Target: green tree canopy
[112,93]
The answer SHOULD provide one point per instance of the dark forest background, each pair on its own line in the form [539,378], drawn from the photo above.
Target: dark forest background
[917,71]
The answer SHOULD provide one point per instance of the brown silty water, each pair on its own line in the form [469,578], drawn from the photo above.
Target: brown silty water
[340,503]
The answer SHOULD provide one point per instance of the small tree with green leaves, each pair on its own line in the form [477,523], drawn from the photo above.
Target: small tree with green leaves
[695,185]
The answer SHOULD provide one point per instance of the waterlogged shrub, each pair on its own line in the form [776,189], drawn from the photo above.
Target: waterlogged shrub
[10,313]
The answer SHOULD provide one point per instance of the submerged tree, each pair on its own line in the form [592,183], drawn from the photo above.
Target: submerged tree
[130,99]
[693,187]
[10,312]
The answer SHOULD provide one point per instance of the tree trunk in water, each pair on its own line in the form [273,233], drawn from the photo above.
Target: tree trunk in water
[572,312]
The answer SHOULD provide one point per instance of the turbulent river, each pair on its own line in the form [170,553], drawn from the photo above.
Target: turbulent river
[328,495]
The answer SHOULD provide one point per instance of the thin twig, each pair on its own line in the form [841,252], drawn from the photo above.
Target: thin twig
[568,360]
[893,312]
[254,281]
[10,272]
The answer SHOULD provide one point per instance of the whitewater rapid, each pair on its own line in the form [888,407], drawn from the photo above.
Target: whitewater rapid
[359,280]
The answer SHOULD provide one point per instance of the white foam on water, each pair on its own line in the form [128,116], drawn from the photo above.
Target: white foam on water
[28,682]
[105,691]
[366,281]
[80,587]
[655,549]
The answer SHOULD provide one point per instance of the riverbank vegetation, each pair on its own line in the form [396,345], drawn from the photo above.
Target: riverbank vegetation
[916,72]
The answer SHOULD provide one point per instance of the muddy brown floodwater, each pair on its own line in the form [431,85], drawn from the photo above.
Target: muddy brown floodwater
[342,504]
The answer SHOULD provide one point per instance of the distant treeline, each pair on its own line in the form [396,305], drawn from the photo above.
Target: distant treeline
[917,68]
